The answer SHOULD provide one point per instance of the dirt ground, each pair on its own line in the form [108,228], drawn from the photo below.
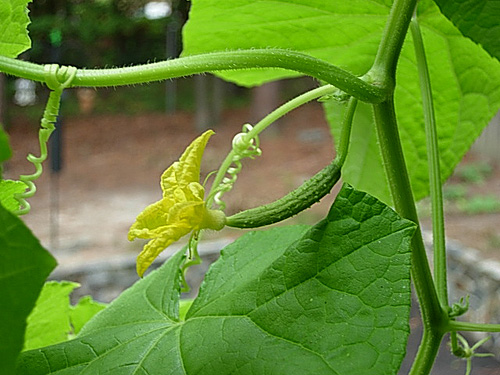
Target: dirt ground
[112,166]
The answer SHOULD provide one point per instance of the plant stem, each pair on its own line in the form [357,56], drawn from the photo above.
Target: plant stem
[439,241]
[383,70]
[454,325]
[397,174]
[210,62]
[345,134]
[263,124]
[433,317]
[427,352]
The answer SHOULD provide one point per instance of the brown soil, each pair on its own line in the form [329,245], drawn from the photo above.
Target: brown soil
[112,166]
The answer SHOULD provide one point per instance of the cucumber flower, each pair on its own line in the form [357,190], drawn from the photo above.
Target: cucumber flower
[181,210]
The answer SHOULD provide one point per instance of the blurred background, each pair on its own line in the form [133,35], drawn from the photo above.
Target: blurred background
[112,144]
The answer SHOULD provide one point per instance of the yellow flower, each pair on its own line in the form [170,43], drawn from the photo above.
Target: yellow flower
[180,211]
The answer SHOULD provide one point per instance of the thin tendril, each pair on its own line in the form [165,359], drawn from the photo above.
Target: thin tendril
[57,79]
[191,259]
[244,146]
[251,133]
[466,352]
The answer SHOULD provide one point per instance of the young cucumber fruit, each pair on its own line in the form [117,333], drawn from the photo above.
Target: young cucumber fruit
[310,192]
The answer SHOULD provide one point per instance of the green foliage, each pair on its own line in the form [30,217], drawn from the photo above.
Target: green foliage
[476,19]
[83,311]
[480,204]
[454,192]
[14,19]
[458,94]
[24,266]
[49,322]
[331,299]
[9,188]
[95,33]
[54,320]
[184,306]
[299,25]
[476,173]
[465,79]
[5,150]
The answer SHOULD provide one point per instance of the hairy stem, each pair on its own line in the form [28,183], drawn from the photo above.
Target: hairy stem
[427,352]
[439,241]
[454,325]
[210,62]
[433,316]
[384,66]
[304,196]
[345,132]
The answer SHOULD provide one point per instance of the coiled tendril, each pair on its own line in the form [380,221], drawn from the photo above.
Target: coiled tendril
[244,146]
[57,79]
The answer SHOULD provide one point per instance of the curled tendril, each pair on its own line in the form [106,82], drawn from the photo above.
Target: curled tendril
[244,146]
[459,308]
[191,259]
[57,79]
[466,352]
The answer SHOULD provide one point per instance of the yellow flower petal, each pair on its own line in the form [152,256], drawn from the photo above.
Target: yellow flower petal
[154,247]
[180,211]
[154,216]
[188,213]
[187,169]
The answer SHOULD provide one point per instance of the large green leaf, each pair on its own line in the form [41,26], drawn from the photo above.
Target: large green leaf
[465,79]
[53,319]
[14,21]
[332,299]
[24,266]
[477,19]
[323,29]
[466,91]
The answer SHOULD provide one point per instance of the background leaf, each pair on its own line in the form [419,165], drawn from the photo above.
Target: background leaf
[466,91]
[14,20]
[465,79]
[49,322]
[24,266]
[9,188]
[54,320]
[5,150]
[333,299]
[337,31]
[83,311]
[476,19]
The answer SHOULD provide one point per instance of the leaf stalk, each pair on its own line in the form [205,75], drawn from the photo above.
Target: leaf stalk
[438,231]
